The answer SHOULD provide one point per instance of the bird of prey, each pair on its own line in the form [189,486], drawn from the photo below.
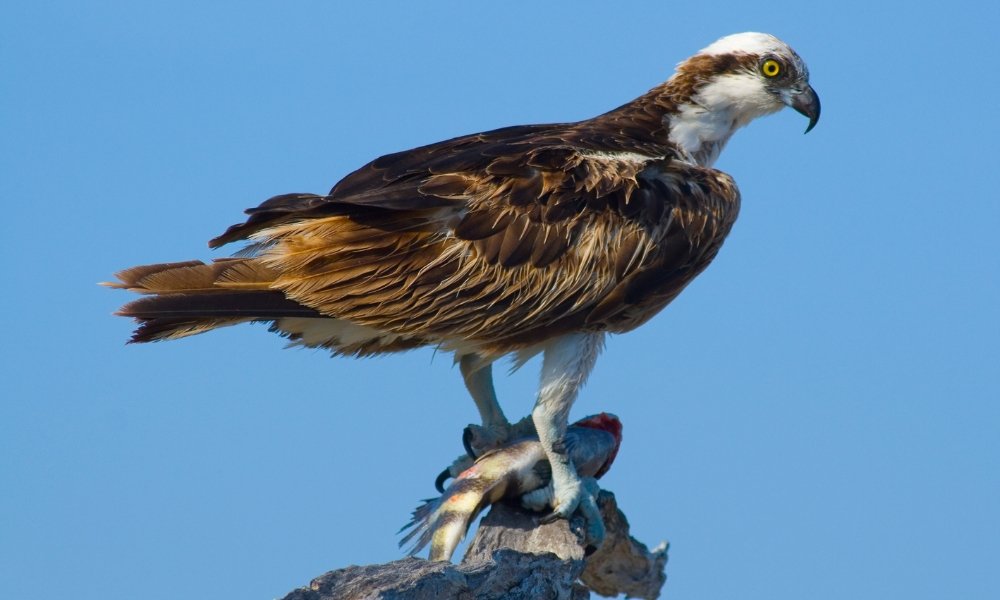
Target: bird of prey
[518,241]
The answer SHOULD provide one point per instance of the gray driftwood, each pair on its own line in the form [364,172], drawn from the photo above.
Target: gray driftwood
[512,557]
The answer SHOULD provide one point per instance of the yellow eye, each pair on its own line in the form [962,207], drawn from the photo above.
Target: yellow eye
[770,68]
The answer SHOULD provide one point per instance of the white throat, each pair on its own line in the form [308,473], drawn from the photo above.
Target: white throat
[702,127]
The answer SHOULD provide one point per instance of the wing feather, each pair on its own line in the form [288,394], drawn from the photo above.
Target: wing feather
[502,239]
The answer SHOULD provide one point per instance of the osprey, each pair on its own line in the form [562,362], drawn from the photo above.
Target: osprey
[523,240]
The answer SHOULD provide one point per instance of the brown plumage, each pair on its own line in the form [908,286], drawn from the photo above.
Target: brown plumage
[498,240]
[527,239]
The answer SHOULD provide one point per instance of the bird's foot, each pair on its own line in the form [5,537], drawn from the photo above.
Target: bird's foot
[479,439]
[452,471]
[565,500]
[539,500]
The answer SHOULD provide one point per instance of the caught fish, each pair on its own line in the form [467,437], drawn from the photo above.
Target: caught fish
[507,472]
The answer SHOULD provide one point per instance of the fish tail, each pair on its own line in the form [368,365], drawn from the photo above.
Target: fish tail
[442,522]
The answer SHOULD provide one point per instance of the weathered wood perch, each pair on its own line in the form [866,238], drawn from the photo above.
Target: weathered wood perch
[512,557]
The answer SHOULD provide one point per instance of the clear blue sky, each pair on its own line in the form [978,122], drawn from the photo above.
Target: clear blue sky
[816,417]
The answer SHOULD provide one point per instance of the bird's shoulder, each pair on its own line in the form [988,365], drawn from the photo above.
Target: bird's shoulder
[548,173]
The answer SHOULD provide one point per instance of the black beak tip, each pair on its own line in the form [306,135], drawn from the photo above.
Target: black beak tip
[812,123]
[807,104]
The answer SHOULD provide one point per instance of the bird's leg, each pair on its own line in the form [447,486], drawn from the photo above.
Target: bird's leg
[478,376]
[495,430]
[541,500]
[566,364]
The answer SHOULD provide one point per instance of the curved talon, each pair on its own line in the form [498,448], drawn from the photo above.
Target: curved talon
[479,439]
[591,512]
[552,517]
[473,437]
[452,471]
[441,478]
[594,525]
[467,436]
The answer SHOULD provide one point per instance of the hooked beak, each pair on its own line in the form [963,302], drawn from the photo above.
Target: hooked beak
[806,102]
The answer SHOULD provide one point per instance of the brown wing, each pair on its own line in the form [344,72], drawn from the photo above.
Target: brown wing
[501,239]
[388,182]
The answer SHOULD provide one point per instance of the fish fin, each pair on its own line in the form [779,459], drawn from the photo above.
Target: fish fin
[419,525]
[443,522]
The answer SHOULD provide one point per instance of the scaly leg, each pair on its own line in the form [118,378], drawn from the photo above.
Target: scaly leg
[495,430]
[478,376]
[565,366]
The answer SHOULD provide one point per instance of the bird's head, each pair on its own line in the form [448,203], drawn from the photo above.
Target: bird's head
[733,81]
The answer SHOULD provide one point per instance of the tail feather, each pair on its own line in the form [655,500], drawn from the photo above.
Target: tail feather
[174,316]
[196,276]
[187,298]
